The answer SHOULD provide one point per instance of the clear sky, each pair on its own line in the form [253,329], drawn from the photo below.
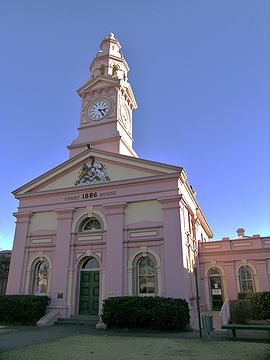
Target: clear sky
[200,74]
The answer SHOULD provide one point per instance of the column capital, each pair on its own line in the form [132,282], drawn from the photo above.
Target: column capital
[260,262]
[115,208]
[23,217]
[64,213]
[229,263]
[170,202]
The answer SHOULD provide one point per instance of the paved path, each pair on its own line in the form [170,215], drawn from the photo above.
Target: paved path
[22,336]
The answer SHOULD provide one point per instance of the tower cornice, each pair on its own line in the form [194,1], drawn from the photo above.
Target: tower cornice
[118,83]
[111,57]
[106,78]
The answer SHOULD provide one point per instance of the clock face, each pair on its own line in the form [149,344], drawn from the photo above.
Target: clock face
[99,109]
[125,117]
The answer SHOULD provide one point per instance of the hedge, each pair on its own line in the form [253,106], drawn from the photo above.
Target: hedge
[260,304]
[240,311]
[22,309]
[145,313]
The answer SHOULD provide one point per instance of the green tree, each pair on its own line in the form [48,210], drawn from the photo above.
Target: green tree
[4,264]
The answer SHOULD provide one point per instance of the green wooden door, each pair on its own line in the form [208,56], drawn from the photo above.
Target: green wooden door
[89,293]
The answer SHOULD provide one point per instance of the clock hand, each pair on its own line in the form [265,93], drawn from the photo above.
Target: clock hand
[100,110]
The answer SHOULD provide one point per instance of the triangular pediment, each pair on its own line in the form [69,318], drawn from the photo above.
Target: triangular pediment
[98,82]
[95,166]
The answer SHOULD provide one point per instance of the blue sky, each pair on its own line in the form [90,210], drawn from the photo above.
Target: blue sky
[200,74]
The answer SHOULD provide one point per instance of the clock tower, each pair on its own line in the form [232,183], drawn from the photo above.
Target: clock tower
[107,104]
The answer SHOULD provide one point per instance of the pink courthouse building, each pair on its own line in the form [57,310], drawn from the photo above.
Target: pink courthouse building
[108,223]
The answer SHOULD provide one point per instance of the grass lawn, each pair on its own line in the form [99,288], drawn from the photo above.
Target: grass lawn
[111,347]
[5,329]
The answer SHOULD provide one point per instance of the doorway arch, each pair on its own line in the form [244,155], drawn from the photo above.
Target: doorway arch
[215,286]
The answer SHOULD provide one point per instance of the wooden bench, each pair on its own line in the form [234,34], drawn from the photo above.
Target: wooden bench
[235,327]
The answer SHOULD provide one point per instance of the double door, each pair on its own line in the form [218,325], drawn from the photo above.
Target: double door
[89,293]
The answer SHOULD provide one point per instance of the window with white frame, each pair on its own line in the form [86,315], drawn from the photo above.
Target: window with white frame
[245,279]
[90,264]
[90,224]
[40,280]
[146,277]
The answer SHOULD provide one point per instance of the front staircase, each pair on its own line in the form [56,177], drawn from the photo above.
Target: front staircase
[217,322]
[89,320]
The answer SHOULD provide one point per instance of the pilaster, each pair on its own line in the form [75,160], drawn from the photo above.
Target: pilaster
[228,280]
[114,248]
[261,275]
[17,272]
[61,274]
[176,276]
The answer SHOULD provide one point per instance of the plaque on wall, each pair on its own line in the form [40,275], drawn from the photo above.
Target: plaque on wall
[216,291]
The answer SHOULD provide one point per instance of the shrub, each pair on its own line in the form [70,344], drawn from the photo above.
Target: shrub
[240,311]
[22,309]
[145,312]
[260,304]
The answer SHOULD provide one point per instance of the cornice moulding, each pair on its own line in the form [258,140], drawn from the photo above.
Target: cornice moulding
[104,185]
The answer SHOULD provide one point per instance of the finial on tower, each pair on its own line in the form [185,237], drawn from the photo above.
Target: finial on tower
[109,61]
[111,35]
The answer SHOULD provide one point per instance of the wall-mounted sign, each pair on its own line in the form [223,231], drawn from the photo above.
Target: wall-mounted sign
[90,195]
[216,291]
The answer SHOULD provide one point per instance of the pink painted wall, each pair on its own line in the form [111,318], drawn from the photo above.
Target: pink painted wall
[177,249]
[114,247]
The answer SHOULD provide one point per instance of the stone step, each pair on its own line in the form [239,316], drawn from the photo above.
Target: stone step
[78,320]
[85,317]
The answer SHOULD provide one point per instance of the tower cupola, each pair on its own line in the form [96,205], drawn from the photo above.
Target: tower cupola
[109,60]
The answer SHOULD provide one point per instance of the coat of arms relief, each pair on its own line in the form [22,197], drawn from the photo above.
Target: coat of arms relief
[93,171]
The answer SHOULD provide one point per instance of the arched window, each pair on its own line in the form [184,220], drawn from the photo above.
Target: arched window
[115,68]
[90,224]
[90,264]
[102,69]
[41,278]
[146,277]
[245,279]
[214,272]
